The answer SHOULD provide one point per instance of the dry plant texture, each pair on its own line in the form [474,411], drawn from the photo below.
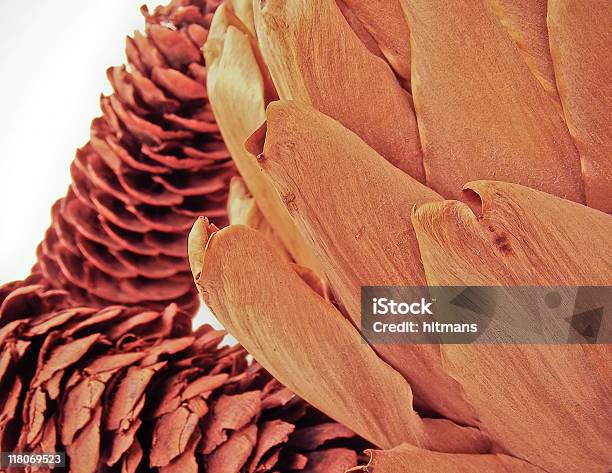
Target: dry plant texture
[124,389]
[351,122]
[154,162]
[98,357]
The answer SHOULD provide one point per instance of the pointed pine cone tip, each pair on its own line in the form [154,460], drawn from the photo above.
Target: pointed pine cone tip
[284,122]
[155,161]
[199,236]
[483,195]
[478,195]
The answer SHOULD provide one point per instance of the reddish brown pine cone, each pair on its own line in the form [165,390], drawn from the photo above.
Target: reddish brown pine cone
[155,161]
[127,389]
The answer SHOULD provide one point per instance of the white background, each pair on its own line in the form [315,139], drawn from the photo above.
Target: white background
[53,60]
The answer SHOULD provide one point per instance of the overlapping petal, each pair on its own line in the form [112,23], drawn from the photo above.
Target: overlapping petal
[493,101]
[338,75]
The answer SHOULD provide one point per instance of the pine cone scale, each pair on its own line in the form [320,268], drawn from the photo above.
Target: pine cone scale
[129,388]
[145,174]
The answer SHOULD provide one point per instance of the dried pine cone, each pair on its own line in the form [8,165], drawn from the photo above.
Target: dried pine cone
[127,389]
[155,160]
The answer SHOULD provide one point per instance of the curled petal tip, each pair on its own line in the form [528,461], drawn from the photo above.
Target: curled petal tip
[198,238]
[255,143]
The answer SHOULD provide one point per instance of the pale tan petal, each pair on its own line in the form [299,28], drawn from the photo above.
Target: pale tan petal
[200,231]
[525,21]
[481,112]
[345,198]
[237,14]
[241,206]
[237,94]
[355,208]
[580,38]
[315,57]
[243,9]
[553,396]
[514,236]
[306,351]
[385,21]
[243,210]
[359,28]
[409,459]
[313,280]
[309,349]
[445,436]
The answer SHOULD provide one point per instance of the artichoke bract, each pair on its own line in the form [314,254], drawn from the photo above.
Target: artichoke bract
[466,144]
